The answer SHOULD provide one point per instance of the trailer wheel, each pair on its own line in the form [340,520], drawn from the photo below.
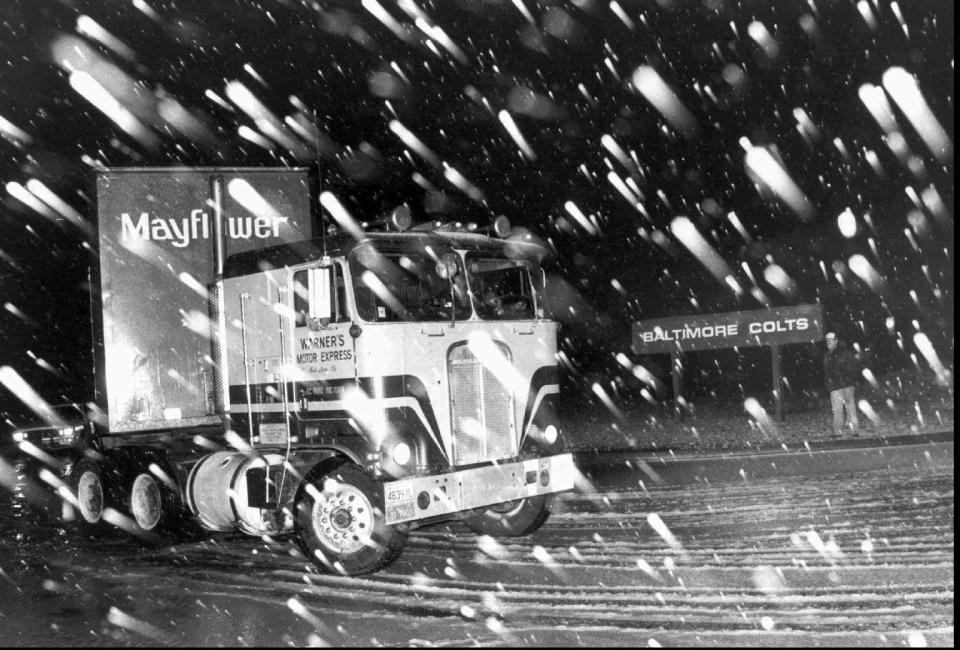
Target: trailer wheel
[88,486]
[513,518]
[156,509]
[340,524]
[146,502]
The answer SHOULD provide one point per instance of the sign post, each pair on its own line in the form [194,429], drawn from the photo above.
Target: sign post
[762,327]
[777,393]
[676,371]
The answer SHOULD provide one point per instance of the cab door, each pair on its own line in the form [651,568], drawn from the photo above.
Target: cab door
[323,355]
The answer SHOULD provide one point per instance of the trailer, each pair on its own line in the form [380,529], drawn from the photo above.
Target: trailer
[339,390]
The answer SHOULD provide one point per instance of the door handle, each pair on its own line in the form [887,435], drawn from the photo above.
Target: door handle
[439,332]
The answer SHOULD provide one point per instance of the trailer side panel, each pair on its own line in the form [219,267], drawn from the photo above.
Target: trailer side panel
[157,263]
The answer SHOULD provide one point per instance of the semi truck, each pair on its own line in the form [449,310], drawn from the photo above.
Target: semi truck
[336,385]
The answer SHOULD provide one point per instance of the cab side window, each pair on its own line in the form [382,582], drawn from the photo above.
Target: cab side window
[337,290]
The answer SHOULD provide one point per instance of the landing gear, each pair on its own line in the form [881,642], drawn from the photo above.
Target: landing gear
[511,519]
[339,522]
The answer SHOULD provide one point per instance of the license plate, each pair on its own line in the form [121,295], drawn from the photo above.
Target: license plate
[400,512]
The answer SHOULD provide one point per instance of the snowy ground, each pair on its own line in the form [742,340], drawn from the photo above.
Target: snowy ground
[900,405]
[856,556]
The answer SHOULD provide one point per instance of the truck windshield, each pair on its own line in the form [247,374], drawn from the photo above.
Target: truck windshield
[501,288]
[406,286]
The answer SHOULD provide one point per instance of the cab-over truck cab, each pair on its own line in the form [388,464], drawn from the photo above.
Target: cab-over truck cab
[409,377]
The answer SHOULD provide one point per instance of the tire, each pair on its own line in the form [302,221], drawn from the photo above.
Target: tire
[339,522]
[87,484]
[155,508]
[511,519]
[145,502]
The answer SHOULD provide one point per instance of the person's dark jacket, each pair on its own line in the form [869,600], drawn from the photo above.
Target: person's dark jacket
[841,368]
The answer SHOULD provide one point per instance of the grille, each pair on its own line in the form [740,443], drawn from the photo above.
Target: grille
[482,409]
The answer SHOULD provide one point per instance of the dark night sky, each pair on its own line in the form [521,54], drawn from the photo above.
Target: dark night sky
[563,72]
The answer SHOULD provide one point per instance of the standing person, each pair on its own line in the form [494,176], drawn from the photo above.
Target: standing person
[840,373]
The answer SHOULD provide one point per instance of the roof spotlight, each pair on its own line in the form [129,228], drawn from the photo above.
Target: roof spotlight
[501,226]
[400,218]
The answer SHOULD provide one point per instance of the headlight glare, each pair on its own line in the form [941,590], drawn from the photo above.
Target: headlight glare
[401,453]
[550,434]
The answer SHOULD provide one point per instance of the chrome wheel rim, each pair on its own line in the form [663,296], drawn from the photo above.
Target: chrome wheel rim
[343,518]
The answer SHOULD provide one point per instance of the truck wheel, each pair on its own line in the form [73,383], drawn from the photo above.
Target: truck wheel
[339,522]
[88,486]
[146,502]
[511,519]
[157,510]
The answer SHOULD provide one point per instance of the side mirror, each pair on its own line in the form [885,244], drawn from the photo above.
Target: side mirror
[540,293]
[447,270]
[321,300]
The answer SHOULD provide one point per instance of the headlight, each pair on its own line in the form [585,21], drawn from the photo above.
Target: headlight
[550,434]
[19,436]
[401,453]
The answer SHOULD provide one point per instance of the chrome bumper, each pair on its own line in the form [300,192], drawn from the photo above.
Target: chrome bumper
[421,497]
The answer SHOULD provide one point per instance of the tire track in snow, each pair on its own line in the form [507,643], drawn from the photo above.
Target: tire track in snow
[871,556]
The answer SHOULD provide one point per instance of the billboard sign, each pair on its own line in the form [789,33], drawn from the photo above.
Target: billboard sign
[761,327]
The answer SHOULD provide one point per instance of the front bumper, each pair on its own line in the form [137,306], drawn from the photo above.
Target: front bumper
[423,497]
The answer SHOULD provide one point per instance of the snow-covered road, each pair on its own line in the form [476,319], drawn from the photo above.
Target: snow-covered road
[864,557]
